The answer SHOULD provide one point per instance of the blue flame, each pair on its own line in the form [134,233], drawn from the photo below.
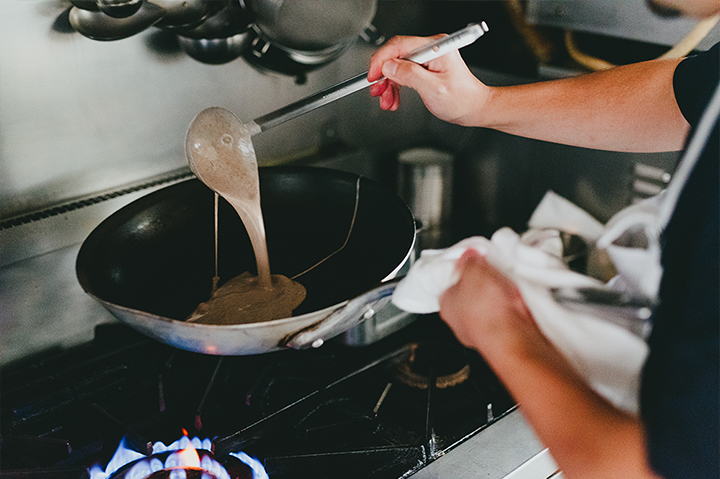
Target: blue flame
[123,455]
[258,471]
[142,469]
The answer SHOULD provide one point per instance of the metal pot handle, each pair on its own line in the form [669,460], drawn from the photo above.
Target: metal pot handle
[353,313]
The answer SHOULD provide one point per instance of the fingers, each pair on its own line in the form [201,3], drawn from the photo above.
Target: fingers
[400,72]
[470,255]
[396,47]
[472,269]
[385,63]
[391,98]
[389,94]
[377,89]
[480,283]
[484,308]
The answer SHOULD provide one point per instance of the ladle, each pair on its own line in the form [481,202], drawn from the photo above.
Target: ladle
[421,55]
[221,154]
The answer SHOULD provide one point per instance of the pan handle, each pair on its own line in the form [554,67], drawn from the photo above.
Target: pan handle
[353,313]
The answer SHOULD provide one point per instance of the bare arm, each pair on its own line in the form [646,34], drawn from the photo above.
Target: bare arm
[587,436]
[629,108]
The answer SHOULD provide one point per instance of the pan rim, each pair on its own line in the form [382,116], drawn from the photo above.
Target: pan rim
[279,321]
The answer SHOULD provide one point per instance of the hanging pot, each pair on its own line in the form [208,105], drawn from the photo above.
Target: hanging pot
[314,24]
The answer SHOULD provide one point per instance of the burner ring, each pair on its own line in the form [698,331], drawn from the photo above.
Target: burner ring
[190,473]
[144,468]
[449,374]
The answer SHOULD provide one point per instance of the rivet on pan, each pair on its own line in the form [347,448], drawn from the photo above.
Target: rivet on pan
[317,343]
[369,313]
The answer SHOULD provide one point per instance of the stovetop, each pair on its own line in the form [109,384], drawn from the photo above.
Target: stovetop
[385,410]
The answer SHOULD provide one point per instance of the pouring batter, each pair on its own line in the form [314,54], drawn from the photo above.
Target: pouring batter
[221,154]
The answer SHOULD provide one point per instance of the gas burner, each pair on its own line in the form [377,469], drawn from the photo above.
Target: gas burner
[336,409]
[184,459]
[444,361]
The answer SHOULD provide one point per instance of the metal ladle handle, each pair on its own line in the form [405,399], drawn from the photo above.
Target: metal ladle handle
[424,54]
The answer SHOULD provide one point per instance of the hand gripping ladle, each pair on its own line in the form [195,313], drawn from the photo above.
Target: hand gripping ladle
[221,154]
[426,53]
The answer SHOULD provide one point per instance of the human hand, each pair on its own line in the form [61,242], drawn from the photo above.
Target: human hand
[448,88]
[583,430]
[485,309]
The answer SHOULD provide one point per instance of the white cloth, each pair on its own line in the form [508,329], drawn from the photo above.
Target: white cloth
[632,239]
[607,355]
[556,212]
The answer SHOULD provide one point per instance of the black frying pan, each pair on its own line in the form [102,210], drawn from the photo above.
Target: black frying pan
[152,262]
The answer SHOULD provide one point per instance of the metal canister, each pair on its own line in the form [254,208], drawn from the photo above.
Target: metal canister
[425,180]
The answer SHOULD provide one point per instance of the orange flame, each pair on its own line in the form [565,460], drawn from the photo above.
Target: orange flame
[188,457]
[178,458]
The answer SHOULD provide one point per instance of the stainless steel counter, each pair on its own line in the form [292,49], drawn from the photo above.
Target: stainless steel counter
[506,449]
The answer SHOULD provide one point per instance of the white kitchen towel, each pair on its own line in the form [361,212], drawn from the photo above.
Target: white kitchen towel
[558,213]
[632,239]
[608,356]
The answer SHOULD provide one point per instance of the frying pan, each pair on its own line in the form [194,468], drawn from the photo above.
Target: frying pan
[152,262]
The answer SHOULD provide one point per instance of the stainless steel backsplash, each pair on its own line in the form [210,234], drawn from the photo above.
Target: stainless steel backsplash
[81,116]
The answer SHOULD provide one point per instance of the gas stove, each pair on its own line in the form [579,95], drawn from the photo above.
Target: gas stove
[385,410]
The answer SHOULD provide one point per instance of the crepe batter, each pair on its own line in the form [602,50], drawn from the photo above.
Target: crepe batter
[223,157]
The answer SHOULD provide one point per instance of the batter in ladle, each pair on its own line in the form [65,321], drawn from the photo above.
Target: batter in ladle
[221,154]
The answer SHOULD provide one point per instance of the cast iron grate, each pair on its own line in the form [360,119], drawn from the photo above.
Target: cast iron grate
[332,412]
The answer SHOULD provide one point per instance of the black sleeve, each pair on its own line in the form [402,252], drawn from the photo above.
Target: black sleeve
[680,392]
[694,82]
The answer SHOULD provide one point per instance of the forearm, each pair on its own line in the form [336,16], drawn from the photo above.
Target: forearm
[629,108]
[587,436]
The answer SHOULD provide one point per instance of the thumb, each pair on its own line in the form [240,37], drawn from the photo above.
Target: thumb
[407,73]
[470,255]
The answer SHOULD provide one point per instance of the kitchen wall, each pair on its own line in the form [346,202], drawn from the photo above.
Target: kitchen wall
[81,118]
